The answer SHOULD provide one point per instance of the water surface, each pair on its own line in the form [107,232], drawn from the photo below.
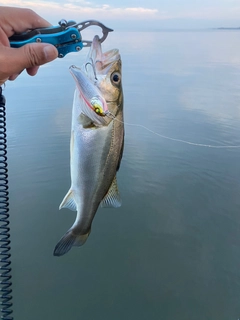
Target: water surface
[172,250]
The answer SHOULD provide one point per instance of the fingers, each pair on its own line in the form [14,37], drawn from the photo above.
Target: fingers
[28,57]
[33,70]
[17,20]
[14,76]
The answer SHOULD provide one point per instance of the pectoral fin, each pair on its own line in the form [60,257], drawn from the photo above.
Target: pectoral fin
[85,121]
[68,202]
[112,198]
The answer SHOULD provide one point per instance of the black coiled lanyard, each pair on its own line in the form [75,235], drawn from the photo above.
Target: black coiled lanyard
[5,261]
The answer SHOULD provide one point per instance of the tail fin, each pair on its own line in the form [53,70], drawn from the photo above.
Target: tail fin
[68,241]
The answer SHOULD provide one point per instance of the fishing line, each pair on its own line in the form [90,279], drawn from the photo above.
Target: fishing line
[109,114]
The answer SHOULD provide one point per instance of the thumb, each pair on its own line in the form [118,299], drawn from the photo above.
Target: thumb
[36,54]
[28,56]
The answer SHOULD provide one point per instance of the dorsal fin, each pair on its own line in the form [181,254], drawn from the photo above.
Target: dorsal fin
[112,198]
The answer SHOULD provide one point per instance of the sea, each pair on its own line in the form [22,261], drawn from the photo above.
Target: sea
[172,251]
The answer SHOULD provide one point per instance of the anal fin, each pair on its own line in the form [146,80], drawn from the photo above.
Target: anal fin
[68,202]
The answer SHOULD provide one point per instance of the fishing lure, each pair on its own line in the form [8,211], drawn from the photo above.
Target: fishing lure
[89,92]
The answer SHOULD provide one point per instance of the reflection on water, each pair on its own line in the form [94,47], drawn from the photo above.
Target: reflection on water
[172,250]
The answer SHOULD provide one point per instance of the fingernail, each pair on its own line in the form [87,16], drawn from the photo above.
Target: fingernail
[50,52]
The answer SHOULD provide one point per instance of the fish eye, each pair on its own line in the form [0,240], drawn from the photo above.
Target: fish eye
[116,78]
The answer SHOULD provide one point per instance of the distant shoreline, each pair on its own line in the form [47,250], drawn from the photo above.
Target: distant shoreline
[225,28]
[184,29]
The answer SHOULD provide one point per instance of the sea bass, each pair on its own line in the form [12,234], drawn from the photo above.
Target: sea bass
[96,146]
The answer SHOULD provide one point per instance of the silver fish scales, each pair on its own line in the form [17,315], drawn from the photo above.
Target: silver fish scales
[96,142]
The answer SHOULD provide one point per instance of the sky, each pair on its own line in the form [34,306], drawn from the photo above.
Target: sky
[140,15]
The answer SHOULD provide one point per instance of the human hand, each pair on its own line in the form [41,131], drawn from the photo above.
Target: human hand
[14,60]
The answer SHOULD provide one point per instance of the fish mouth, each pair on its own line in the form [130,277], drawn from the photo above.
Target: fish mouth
[99,63]
[88,80]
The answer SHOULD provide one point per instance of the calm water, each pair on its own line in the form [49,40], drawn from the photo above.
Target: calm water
[172,251]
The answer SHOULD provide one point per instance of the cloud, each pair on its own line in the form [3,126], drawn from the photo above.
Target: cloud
[81,2]
[210,13]
[188,15]
[84,9]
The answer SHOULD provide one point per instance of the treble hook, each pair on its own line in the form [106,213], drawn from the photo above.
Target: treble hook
[93,67]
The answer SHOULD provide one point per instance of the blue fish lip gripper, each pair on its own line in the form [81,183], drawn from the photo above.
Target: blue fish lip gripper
[66,37]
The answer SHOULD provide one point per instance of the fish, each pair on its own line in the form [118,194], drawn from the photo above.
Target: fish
[96,144]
